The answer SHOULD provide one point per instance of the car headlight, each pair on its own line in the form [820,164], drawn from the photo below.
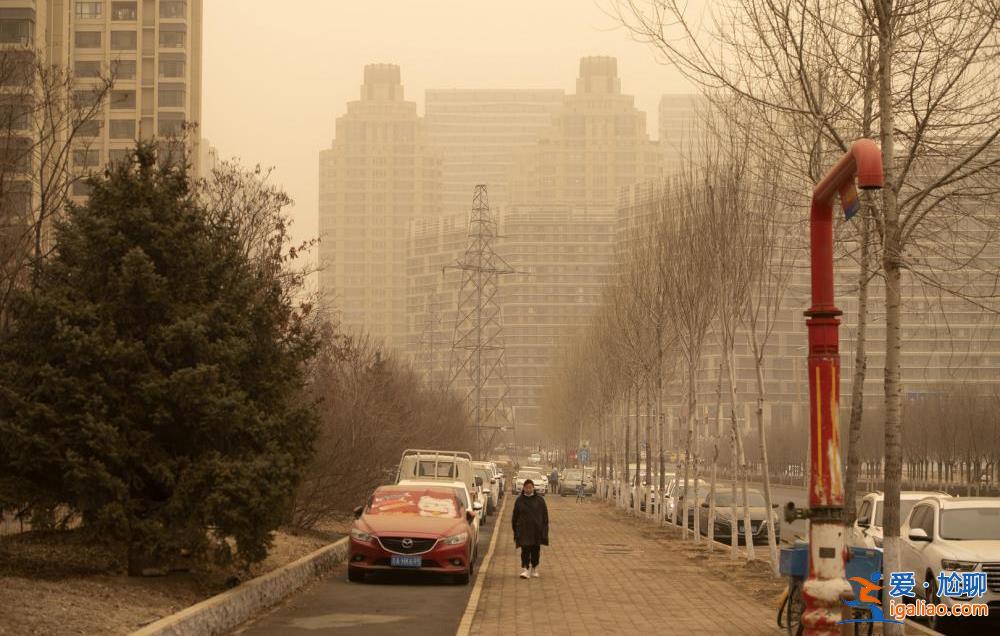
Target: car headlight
[456,539]
[359,535]
[958,566]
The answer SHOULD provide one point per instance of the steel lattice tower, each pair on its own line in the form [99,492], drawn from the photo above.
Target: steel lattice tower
[478,357]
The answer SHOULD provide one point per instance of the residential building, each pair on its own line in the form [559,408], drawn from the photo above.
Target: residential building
[681,124]
[379,174]
[596,145]
[478,131]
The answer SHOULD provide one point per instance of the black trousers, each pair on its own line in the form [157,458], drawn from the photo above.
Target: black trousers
[530,555]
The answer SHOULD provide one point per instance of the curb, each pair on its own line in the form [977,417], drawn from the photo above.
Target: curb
[225,611]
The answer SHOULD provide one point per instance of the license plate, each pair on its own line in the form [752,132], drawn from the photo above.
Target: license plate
[402,561]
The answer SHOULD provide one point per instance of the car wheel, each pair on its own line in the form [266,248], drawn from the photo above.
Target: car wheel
[355,575]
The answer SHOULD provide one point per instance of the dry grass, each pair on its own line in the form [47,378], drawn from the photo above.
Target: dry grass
[55,583]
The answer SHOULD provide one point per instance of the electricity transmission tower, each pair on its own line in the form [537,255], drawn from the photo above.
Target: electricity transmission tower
[478,358]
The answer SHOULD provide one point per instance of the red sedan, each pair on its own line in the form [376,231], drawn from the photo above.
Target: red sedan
[420,528]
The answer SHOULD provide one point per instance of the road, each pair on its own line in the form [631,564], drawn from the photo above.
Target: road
[388,604]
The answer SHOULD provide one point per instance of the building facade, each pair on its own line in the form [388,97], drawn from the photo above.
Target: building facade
[478,132]
[596,145]
[681,126]
[379,175]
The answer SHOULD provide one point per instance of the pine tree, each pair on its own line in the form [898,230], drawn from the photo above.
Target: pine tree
[152,379]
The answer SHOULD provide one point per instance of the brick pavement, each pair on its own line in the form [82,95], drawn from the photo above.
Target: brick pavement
[604,575]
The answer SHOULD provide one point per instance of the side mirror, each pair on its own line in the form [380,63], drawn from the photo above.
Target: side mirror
[864,523]
[791,514]
[470,516]
[775,506]
[477,505]
[704,504]
[918,534]
[479,481]
[493,481]
[358,511]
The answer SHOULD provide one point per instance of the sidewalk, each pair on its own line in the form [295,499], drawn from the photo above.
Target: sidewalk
[605,575]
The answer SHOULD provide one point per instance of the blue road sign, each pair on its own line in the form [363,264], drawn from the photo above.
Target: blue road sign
[583,455]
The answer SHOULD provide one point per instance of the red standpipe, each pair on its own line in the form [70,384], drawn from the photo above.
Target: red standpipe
[827,586]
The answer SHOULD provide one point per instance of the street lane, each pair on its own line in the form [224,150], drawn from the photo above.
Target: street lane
[386,604]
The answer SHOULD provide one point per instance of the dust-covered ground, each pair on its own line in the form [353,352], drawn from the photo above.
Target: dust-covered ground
[55,583]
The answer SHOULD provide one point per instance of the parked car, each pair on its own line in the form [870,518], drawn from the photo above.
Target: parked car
[438,465]
[490,485]
[570,478]
[464,496]
[866,532]
[410,527]
[540,481]
[675,496]
[956,534]
[760,516]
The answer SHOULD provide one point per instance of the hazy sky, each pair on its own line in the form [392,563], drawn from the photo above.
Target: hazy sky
[278,73]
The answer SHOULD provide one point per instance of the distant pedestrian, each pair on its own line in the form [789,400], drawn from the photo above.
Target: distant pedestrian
[579,491]
[531,528]
[554,481]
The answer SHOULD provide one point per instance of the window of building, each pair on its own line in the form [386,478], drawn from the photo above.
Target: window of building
[172,39]
[90,128]
[123,69]
[122,129]
[119,155]
[171,68]
[89,10]
[88,39]
[15,155]
[173,8]
[123,11]
[87,69]
[171,96]
[16,32]
[86,98]
[170,125]
[124,40]
[86,158]
[121,100]
[15,112]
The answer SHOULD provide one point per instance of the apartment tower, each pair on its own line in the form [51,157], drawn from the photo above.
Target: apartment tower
[378,176]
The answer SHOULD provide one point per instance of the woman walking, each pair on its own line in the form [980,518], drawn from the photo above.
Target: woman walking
[531,528]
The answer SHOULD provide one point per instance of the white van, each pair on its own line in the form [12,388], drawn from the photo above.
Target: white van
[437,465]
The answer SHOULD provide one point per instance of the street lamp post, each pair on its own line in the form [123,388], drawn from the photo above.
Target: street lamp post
[826,586]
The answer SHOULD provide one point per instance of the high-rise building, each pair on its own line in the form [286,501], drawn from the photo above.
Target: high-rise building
[378,176]
[596,145]
[152,50]
[562,256]
[478,132]
[681,125]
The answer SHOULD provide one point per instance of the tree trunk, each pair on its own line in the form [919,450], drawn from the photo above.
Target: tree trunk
[649,440]
[891,255]
[772,543]
[716,434]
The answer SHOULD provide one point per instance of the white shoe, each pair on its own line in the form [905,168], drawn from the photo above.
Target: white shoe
[534,571]
[524,573]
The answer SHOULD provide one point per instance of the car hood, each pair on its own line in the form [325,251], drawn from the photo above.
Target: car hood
[980,551]
[411,525]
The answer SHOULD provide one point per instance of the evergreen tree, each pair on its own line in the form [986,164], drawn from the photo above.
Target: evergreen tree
[152,379]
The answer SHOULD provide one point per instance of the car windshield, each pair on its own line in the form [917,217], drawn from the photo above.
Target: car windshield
[525,475]
[904,510]
[485,474]
[440,470]
[573,473]
[755,499]
[971,524]
[422,503]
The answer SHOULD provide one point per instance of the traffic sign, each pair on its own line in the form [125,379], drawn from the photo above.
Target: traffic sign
[583,455]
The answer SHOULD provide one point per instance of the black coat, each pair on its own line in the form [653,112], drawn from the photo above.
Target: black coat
[530,521]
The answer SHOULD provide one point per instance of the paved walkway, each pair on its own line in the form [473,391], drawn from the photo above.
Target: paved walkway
[604,575]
